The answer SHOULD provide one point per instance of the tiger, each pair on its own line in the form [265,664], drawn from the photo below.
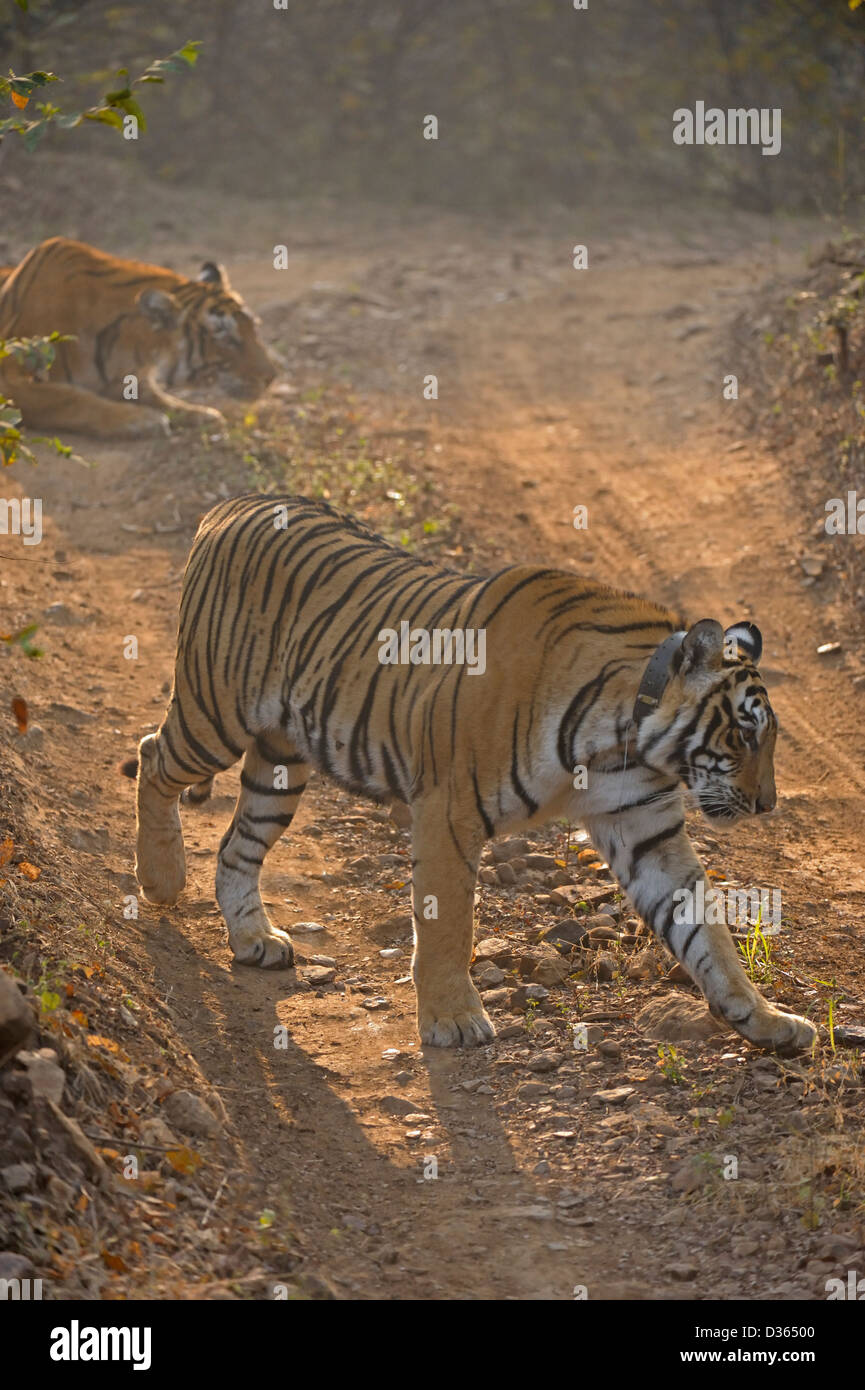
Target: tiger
[287,617]
[134,330]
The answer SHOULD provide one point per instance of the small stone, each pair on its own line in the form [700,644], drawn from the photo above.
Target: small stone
[506,875]
[14,1266]
[156,1132]
[363,864]
[617,1096]
[604,968]
[597,920]
[512,1030]
[402,1078]
[558,878]
[542,1169]
[495,998]
[322,960]
[610,1049]
[551,972]
[489,976]
[601,934]
[191,1115]
[532,1090]
[812,565]
[127,1017]
[18,1177]
[319,975]
[495,949]
[509,849]
[398,1106]
[565,935]
[373,1005]
[390,953]
[536,991]
[837,1247]
[683,1271]
[540,861]
[47,1080]
[545,1061]
[643,965]
[307,927]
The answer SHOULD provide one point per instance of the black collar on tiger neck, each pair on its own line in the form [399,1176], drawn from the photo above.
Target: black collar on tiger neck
[656,676]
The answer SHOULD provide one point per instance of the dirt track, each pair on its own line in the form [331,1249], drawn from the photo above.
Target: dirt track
[601,388]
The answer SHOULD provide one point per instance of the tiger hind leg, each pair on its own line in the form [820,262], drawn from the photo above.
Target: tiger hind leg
[271,784]
[165,767]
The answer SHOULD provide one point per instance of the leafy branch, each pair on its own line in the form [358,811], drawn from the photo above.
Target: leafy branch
[37,356]
[112,110]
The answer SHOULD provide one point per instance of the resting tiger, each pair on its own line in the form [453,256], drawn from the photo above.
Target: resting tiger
[285,609]
[137,328]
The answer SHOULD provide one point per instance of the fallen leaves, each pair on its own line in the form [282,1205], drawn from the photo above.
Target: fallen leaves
[108,1044]
[22,717]
[184,1160]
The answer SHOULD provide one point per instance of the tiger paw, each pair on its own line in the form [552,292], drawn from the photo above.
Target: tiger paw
[779,1032]
[269,949]
[452,1027]
[162,873]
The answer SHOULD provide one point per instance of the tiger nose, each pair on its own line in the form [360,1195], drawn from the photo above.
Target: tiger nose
[766,801]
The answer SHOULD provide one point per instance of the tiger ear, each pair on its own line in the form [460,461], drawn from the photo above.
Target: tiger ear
[213,274]
[743,641]
[160,308]
[702,647]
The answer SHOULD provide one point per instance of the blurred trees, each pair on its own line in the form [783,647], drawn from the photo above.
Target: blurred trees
[534,98]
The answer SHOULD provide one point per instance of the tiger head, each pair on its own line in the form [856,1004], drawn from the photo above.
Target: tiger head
[721,728]
[213,336]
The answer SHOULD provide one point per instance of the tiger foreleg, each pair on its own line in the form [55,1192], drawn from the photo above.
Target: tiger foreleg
[655,863]
[48,405]
[446,854]
[152,395]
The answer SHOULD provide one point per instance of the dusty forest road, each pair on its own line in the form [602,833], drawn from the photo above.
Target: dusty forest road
[557,388]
